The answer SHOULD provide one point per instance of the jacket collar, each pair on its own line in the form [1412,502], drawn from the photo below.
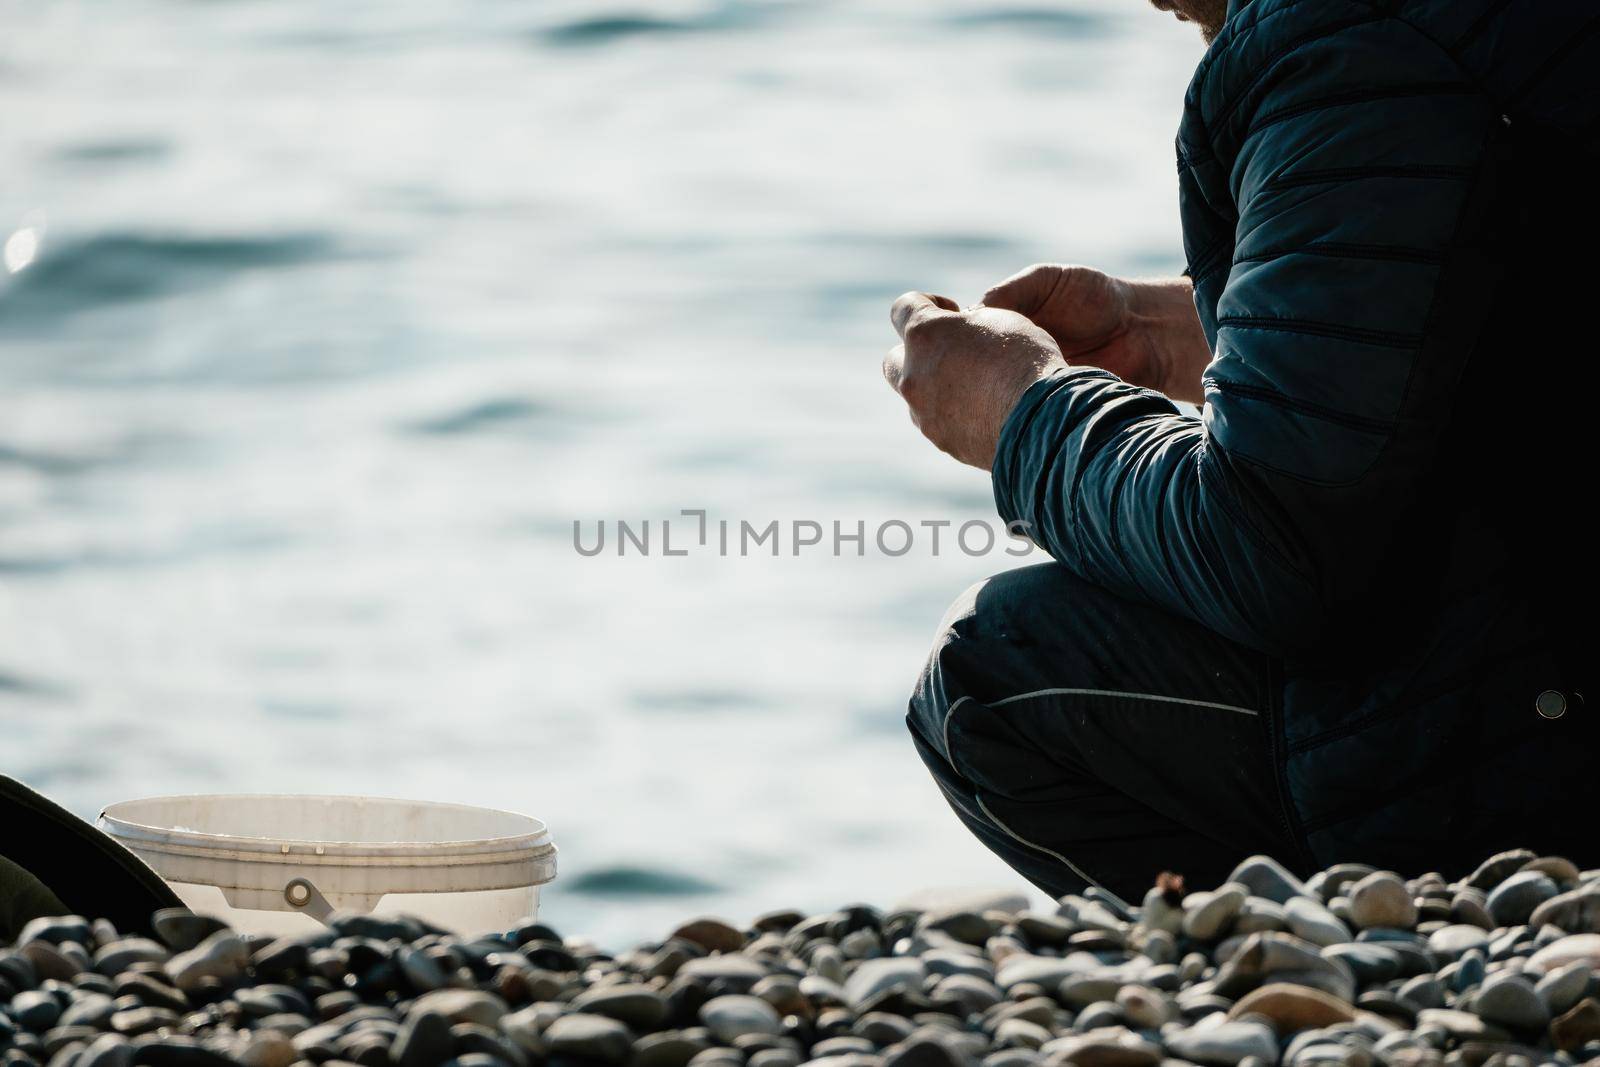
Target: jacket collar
[1236,6]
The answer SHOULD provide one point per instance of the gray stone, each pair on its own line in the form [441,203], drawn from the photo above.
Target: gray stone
[423,971]
[1263,876]
[1424,991]
[182,930]
[1046,971]
[593,1037]
[1452,941]
[118,956]
[1497,868]
[1081,990]
[1512,1001]
[1310,921]
[424,1039]
[1225,1044]
[1282,958]
[1576,912]
[268,1048]
[669,1048]
[639,1006]
[36,1010]
[1369,962]
[1577,948]
[731,1017]
[56,930]
[1513,901]
[1462,1025]
[973,993]
[1145,1008]
[109,1050]
[463,1006]
[1470,906]
[872,977]
[51,962]
[1020,1033]
[1113,1047]
[775,1057]
[738,973]
[1564,986]
[1208,915]
[88,1009]
[221,956]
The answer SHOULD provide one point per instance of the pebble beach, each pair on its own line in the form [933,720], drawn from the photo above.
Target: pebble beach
[1353,966]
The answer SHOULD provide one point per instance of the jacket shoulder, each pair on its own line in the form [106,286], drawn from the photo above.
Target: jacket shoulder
[1531,61]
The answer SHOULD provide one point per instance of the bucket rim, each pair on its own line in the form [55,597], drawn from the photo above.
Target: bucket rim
[129,828]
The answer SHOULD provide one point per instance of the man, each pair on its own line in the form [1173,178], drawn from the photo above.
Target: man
[1340,615]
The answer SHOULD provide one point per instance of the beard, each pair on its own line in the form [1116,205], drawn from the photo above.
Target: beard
[1208,15]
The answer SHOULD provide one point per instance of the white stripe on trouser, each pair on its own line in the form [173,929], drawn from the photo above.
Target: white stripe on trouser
[1008,831]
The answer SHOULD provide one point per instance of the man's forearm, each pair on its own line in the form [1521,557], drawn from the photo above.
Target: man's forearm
[1163,312]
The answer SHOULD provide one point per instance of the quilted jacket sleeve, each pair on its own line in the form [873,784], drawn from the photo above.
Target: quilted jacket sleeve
[1356,159]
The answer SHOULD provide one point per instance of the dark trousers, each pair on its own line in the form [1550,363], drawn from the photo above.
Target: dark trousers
[1087,740]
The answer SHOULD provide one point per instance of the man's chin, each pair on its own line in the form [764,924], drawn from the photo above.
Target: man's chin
[1207,15]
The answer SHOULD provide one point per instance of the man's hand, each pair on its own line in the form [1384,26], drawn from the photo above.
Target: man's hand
[1146,333]
[961,372]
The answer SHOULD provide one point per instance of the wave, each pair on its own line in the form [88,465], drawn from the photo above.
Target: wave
[627,881]
[594,30]
[1052,21]
[120,267]
[123,151]
[494,413]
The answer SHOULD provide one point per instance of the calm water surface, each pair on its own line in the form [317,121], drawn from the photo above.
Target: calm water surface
[329,319]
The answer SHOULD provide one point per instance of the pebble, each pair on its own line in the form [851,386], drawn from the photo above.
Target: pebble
[1207,915]
[1310,921]
[1226,1043]
[1291,1008]
[1456,939]
[1579,948]
[713,935]
[1381,899]
[1512,1001]
[638,1006]
[1263,876]
[1103,1048]
[222,956]
[592,1037]
[873,977]
[1495,970]
[1513,901]
[1576,1028]
[732,1017]
[182,929]
[1564,986]
[1576,912]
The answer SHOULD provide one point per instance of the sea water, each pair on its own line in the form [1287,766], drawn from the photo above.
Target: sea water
[321,325]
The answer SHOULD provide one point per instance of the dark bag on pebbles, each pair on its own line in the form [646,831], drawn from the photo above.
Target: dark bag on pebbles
[54,863]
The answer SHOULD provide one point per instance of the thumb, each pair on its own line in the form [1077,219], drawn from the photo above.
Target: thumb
[1024,292]
[913,308]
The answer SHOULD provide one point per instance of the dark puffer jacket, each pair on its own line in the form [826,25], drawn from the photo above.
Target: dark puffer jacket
[1388,211]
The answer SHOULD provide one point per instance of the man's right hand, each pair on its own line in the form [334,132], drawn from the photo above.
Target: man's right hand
[1146,333]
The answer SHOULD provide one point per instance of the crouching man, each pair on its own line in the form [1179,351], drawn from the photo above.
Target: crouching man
[1344,613]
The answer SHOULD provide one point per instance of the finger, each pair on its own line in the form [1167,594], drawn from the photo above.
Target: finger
[894,366]
[913,308]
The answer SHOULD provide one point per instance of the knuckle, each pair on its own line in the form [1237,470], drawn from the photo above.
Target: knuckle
[914,390]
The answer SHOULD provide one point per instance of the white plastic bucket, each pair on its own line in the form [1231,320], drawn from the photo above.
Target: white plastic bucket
[281,864]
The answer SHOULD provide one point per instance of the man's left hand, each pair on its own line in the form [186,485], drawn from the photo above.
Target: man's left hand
[961,372]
